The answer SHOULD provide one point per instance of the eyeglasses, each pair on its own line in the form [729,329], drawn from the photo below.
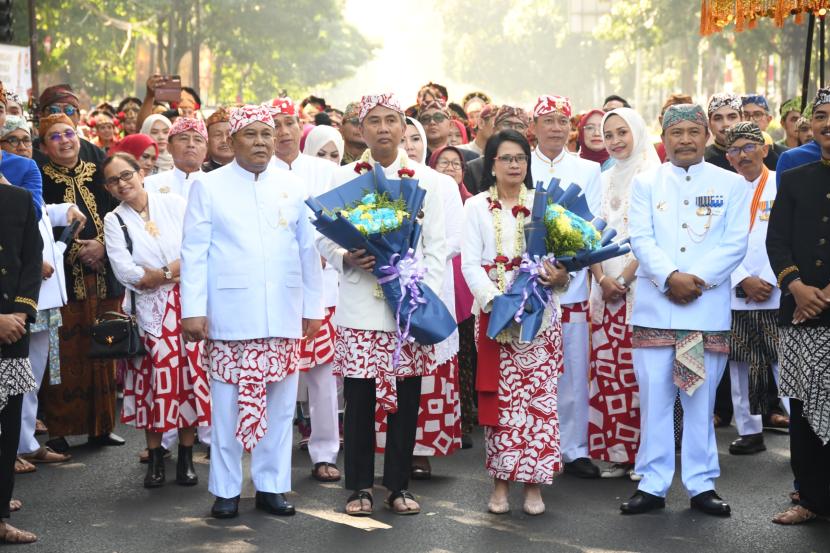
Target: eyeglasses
[512,126]
[591,129]
[68,134]
[755,115]
[352,121]
[434,118]
[58,108]
[521,159]
[444,163]
[749,148]
[123,176]
[14,141]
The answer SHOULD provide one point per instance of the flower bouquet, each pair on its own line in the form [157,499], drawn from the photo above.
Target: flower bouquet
[381,216]
[561,229]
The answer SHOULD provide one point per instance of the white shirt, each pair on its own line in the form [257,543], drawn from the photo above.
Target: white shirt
[756,262]
[570,168]
[248,258]
[668,233]
[53,289]
[174,181]
[358,307]
[316,174]
[149,251]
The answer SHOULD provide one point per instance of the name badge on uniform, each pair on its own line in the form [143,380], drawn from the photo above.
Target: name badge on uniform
[765,209]
[709,205]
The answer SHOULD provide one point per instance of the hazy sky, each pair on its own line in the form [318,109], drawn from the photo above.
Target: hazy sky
[408,36]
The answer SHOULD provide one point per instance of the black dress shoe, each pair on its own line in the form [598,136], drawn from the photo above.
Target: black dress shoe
[582,468]
[747,445]
[711,504]
[642,502]
[274,503]
[106,439]
[466,441]
[225,507]
[185,471]
[58,445]
[155,468]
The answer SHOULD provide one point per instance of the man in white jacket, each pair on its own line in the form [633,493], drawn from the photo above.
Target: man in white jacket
[367,329]
[251,284]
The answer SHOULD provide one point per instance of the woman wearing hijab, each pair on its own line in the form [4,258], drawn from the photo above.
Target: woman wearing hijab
[157,127]
[613,433]
[143,148]
[458,133]
[325,142]
[414,141]
[590,140]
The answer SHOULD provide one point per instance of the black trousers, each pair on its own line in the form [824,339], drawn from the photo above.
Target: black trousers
[359,434]
[810,461]
[9,438]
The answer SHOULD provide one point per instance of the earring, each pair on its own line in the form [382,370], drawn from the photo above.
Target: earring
[493,173]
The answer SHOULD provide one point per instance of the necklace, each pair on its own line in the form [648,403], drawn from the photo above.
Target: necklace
[501,260]
[149,226]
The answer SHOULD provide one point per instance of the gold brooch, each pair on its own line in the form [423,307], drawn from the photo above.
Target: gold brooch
[661,206]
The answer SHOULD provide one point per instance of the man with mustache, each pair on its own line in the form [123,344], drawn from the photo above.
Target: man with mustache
[688,229]
[753,343]
[188,144]
[219,150]
[251,285]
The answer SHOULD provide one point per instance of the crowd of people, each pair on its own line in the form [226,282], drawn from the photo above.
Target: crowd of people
[193,222]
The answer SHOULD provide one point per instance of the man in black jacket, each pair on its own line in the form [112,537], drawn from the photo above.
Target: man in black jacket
[20,276]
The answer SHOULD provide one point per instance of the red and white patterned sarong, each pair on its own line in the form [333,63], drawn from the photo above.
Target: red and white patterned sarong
[439,414]
[320,350]
[167,389]
[368,354]
[614,416]
[251,365]
[523,446]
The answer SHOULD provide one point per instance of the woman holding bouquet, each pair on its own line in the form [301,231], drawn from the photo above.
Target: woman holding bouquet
[614,425]
[516,381]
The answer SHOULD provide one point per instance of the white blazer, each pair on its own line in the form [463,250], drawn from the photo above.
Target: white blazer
[53,289]
[570,168]
[668,233]
[248,258]
[756,262]
[358,307]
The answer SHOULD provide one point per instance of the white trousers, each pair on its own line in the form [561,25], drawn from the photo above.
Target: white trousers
[38,357]
[572,401]
[270,459]
[656,456]
[324,442]
[747,423]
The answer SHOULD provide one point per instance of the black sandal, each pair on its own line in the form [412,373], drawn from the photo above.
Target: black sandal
[360,495]
[405,496]
[315,472]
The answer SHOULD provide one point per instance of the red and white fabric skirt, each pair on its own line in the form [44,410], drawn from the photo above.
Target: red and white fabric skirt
[439,414]
[524,445]
[167,389]
[320,350]
[614,416]
[369,353]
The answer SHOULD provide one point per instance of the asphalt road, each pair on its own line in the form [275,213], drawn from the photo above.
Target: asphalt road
[96,503]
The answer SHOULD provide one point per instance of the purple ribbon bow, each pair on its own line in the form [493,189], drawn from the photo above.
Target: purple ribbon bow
[408,271]
[532,266]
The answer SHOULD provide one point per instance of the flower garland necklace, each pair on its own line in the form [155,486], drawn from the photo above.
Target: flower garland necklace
[520,212]
[366,164]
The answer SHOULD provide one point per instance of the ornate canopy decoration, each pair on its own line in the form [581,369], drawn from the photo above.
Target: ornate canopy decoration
[717,14]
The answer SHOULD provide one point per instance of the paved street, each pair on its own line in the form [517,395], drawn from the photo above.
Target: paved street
[96,503]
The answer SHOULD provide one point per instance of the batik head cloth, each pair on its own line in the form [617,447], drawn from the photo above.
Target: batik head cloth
[283,106]
[757,99]
[437,104]
[548,104]
[184,124]
[724,99]
[822,97]
[368,103]
[243,116]
[684,112]
[14,122]
[506,112]
[745,129]
[793,104]
[221,115]
[50,121]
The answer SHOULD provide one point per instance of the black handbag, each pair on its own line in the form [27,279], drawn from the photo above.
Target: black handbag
[115,335]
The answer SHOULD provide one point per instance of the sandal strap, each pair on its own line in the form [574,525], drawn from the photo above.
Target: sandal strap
[401,494]
[361,495]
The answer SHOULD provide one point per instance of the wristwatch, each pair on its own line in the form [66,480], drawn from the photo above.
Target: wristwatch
[621,281]
[168,274]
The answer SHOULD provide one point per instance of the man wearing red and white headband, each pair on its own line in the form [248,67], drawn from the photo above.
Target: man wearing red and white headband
[251,285]
[551,125]
[187,143]
[317,378]
[367,328]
